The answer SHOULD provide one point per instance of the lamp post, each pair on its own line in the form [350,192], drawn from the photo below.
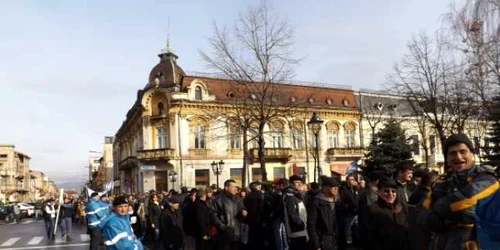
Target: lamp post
[172,175]
[217,167]
[315,125]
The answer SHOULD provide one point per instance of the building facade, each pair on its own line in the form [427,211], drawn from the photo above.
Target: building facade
[179,126]
[15,182]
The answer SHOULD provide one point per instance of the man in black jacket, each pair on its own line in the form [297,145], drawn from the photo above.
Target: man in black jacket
[349,199]
[202,221]
[171,231]
[295,218]
[67,212]
[404,176]
[227,211]
[323,217]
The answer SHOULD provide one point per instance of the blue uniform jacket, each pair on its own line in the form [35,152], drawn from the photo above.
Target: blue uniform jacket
[117,233]
[96,211]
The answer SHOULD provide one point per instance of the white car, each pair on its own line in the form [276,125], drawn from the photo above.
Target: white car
[30,210]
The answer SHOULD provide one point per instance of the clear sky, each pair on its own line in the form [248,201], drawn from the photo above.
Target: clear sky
[70,70]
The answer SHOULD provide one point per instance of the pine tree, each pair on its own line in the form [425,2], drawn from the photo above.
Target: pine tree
[390,149]
[492,150]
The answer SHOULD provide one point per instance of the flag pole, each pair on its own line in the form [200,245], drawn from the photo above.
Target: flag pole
[61,193]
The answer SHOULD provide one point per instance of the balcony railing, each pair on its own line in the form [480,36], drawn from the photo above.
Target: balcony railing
[127,163]
[155,154]
[272,154]
[345,152]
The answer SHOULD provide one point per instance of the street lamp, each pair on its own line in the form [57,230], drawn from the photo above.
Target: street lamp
[315,125]
[217,167]
[172,175]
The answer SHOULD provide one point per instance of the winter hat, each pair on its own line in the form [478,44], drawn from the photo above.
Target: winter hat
[295,178]
[387,182]
[94,194]
[120,201]
[330,182]
[175,199]
[455,139]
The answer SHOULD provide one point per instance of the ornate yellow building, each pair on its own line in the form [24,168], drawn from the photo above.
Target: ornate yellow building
[177,125]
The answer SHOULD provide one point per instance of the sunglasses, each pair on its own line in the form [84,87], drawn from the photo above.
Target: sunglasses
[389,191]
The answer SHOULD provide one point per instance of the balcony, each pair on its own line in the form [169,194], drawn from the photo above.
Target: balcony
[155,154]
[282,155]
[345,152]
[127,163]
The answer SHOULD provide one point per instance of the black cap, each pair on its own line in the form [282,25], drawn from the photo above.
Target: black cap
[152,191]
[120,200]
[455,139]
[295,178]
[94,194]
[387,182]
[329,182]
[283,181]
[176,199]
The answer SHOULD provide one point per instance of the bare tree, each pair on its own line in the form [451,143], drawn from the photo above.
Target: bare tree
[427,77]
[256,55]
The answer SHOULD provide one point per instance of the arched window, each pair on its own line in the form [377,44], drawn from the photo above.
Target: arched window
[332,130]
[197,93]
[277,134]
[350,135]
[235,137]
[199,136]
[160,108]
[297,138]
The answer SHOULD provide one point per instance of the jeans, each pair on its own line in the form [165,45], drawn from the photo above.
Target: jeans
[49,227]
[95,238]
[65,225]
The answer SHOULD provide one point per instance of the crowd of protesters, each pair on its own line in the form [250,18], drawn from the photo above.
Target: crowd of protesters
[407,210]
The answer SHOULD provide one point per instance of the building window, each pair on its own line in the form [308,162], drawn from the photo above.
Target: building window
[234,138]
[199,136]
[160,108]
[350,138]
[277,137]
[202,177]
[432,143]
[415,144]
[253,139]
[197,93]
[279,172]
[296,138]
[333,139]
[236,175]
[161,138]
[256,174]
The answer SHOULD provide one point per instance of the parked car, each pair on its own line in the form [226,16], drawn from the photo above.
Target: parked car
[26,209]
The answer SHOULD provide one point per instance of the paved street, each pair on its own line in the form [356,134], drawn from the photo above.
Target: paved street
[30,234]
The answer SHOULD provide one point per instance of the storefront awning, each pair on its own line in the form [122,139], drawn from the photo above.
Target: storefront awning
[340,167]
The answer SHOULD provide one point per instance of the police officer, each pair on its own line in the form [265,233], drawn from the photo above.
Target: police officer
[96,211]
[116,230]
[449,210]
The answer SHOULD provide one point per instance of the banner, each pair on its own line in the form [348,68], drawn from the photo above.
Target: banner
[352,167]
[107,188]
[61,201]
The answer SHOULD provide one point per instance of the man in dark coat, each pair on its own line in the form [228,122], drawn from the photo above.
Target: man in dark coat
[171,230]
[323,217]
[404,176]
[202,221]
[295,218]
[388,220]
[349,199]
[257,216]
[367,196]
[227,212]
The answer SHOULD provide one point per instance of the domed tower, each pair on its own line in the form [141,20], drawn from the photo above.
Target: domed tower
[166,73]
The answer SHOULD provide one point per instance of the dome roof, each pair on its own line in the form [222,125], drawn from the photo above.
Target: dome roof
[166,73]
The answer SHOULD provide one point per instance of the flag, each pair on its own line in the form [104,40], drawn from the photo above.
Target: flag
[352,167]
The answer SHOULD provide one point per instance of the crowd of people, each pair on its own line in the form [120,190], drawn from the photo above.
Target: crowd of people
[399,212]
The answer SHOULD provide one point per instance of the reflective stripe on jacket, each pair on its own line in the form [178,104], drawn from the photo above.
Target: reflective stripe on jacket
[117,233]
[96,211]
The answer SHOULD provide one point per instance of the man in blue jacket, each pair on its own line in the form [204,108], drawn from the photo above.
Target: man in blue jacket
[116,230]
[449,209]
[96,211]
